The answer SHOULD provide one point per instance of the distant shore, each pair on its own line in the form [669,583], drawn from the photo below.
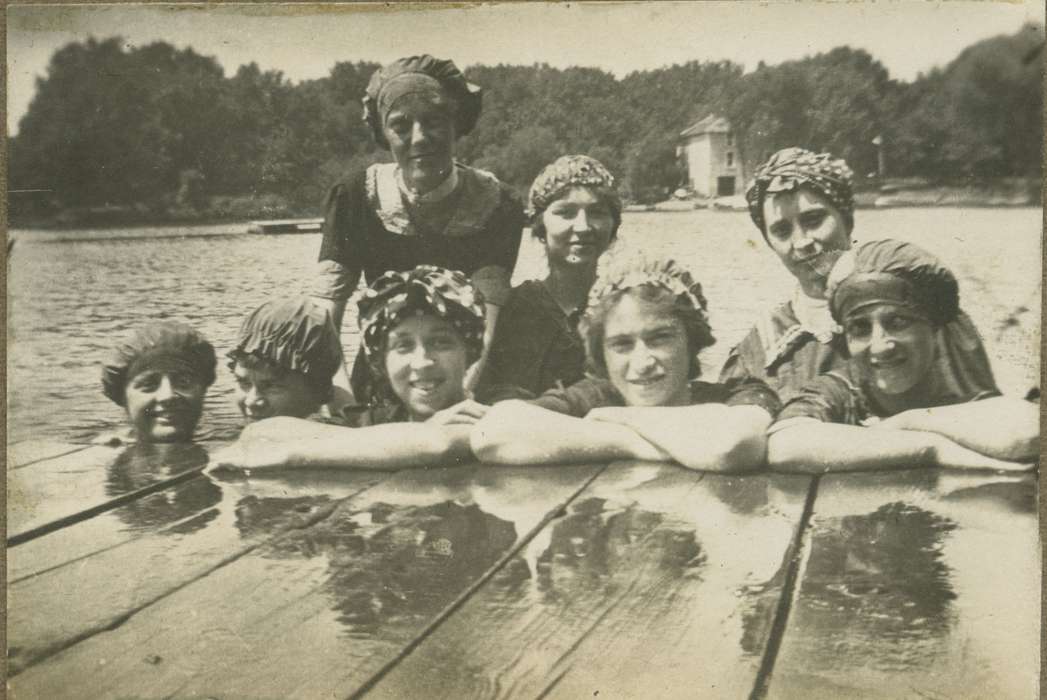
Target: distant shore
[1014,192]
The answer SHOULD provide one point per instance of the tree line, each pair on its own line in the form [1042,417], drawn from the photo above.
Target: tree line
[162,128]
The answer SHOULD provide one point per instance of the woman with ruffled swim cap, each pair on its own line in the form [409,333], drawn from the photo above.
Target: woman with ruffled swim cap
[159,375]
[575,213]
[803,204]
[422,330]
[892,298]
[423,208]
[644,326]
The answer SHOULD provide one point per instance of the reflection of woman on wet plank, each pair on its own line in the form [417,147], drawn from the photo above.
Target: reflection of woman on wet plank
[644,327]
[891,298]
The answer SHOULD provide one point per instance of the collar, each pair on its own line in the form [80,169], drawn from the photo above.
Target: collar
[814,317]
[438,193]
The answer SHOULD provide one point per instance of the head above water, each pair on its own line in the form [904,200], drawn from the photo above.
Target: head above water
[160,374]
[286,355]
[792,169]
[644,327]
[564,177]
[421,330]
[423,77]
[890,296]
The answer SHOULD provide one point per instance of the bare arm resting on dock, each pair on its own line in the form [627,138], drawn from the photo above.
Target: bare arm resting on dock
[290,443]
[810,446]
[710,437]
[1003,427]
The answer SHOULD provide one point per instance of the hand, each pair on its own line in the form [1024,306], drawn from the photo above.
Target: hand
[612,414]
[949,454]
[465,412]
[245,455]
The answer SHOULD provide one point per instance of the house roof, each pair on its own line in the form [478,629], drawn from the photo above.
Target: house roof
[712,124]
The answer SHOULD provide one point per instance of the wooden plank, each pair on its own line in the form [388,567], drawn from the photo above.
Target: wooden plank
[918,584]
[657,582]
[28,452]
[87,594]
[59,489]
[316,612]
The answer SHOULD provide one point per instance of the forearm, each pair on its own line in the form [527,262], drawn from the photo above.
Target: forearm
[813,447]
[1003,427]
[709,437]
[517,433]
[390,446]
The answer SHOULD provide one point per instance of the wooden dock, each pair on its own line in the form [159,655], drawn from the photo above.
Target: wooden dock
[286,226]
[133,574]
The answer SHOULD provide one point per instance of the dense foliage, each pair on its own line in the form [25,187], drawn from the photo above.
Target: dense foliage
[164,128]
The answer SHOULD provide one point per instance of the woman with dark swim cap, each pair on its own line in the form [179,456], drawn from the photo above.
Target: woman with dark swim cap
[286,356]
[575,213]
[159,375]
[803,204]
[424,208]
[892,298]
[422,330]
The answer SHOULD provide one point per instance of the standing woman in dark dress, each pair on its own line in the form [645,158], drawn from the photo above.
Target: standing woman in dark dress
[424,208]
[575,214]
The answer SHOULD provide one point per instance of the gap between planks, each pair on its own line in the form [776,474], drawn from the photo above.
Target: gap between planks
[797,554]
[462,598]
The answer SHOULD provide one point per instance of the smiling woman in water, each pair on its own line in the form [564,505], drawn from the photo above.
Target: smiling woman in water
[891,298]
[420,330]
[644,327]
[159,375]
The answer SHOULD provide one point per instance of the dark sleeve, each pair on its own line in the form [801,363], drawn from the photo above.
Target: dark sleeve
[750,391]
[493,393]
[494,258]
[740,361]
[828,398]
[580,398]
[342,234]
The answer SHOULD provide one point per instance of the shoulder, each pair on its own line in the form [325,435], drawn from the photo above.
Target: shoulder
[581,397]
[737,391]
[479,182]
[831,398]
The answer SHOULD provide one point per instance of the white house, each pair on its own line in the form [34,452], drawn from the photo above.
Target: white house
[712,159]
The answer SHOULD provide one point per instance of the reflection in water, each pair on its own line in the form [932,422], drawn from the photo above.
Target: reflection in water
[390,564]
[143,464]
[591,545]
[876,579]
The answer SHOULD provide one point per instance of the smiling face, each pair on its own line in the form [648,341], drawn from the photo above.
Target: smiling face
[164,405]
[425,361]
[421,134]
[265,391]
[646,353]
[578,228]
[802,226]
[893,346]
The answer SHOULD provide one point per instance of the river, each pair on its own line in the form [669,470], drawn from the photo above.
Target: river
[72,294]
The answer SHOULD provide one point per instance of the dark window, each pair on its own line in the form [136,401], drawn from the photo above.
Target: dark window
[730,159]
[725,186]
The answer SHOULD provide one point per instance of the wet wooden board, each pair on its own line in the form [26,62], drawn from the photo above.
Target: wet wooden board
[316,612]
[917,584]
[23,454]
[58,491]
[656,582]
[87,594]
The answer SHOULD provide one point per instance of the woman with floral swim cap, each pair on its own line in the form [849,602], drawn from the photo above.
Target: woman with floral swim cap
[803,204]
[644,326]
[424,208]
[575,213]
[422,330]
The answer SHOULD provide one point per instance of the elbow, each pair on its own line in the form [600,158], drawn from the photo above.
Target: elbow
[785,454]
[747,455]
